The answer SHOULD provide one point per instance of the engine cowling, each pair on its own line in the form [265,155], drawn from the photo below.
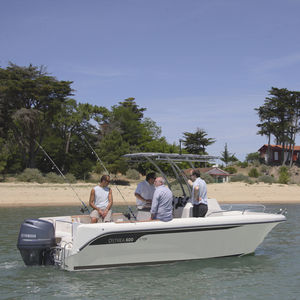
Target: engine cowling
[35,241]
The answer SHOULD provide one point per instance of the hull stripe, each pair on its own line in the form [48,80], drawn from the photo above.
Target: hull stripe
[144,263]
[131,236]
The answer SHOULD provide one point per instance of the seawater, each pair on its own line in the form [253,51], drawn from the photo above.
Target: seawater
[273,272]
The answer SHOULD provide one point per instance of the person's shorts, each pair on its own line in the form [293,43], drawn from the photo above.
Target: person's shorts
[95,214]
[143,215]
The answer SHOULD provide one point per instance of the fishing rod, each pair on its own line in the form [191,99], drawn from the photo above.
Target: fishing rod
[84,208]
[102,164]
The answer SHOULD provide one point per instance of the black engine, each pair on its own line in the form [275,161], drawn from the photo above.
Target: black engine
[35,242]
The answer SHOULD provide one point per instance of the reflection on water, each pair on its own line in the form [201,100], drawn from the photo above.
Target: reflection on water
[271,273]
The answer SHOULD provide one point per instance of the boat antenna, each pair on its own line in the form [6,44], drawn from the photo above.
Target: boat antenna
[102,164]
[84,208]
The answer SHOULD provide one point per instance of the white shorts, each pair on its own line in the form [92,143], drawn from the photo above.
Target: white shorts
[143,215]
[95,214]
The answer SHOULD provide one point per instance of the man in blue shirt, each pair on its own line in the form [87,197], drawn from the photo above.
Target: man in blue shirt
[199,194]
[161,208]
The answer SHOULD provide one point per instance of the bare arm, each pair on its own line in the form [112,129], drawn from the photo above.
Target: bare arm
[110,200]
[92,200]
[196,194]
[190,182]
[137,195]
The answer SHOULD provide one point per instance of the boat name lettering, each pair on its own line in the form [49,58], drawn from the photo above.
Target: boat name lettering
[120,240]
[28,235]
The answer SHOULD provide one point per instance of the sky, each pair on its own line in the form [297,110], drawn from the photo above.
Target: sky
[191,63]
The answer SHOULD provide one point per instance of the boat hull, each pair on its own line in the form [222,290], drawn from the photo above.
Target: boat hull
[172,242]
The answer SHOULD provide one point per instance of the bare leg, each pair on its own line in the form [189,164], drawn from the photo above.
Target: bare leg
[94,220]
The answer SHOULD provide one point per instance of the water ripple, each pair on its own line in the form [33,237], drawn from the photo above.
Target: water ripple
[271,273]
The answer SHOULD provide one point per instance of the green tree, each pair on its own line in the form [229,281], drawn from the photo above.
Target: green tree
[279,116]
[125,130]
[121,131]
[27,129]
[153,129]
[70,124]
[111,149]
[4,154]
[35,106]
[294,123]
[266,126]
[252,157]
[127,119]
[32,93]
[197,142]
[227,157]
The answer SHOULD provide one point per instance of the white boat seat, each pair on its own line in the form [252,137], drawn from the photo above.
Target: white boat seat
[119,217]
[187,211]
[212,204]
[83,219]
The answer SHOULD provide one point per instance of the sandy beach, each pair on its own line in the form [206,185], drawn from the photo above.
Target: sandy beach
[33,194]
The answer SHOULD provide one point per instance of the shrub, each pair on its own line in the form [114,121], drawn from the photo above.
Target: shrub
[207,178]
[256,163]
[243,164]
[240,177]
[71,178]
[266,179]
[54,178]
[231,170]
[94,177]
[284,176]
[253,173]
[31,175]
[133,174]
[263,169]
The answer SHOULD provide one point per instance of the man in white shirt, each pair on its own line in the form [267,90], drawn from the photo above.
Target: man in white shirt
[144,194]
[199,194]
[101,201]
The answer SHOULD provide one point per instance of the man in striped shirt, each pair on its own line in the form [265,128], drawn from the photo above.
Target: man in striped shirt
[161,208]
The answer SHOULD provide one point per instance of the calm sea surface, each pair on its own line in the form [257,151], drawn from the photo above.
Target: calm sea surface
[273,272]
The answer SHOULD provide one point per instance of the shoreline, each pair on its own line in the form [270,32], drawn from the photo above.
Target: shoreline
[34,194]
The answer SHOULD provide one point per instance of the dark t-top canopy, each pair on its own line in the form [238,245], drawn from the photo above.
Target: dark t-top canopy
[175,157]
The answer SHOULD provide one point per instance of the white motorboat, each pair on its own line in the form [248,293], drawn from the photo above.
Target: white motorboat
[72,243]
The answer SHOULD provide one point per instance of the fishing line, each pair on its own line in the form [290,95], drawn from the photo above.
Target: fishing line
[102,164]
[84,208]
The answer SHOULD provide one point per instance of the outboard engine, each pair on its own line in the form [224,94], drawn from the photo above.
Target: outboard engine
[36,238]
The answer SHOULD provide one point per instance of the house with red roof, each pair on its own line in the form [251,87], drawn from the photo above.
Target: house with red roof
[276,154]
[218,174]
